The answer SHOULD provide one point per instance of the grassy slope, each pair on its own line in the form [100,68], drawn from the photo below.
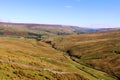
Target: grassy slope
[27,59]
[97,50]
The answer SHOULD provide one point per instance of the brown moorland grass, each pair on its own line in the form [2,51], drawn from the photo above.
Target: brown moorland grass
[99,50]
[28,59]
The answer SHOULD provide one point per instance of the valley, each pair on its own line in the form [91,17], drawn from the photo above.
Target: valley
[100,50]
[54,52]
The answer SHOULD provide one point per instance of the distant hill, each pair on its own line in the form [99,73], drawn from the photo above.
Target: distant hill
[33,30]
[106,29]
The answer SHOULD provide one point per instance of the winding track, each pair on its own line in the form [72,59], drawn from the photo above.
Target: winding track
[34,67]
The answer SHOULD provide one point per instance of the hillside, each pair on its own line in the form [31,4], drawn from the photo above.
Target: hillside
[39,30]
[28,59]
[100,50]
[57,52]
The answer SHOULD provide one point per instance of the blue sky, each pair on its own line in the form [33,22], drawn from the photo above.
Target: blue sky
[85,13]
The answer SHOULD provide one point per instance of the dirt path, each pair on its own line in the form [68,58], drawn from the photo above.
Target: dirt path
[34,67]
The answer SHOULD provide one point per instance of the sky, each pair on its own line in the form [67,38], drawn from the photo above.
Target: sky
[83,13]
